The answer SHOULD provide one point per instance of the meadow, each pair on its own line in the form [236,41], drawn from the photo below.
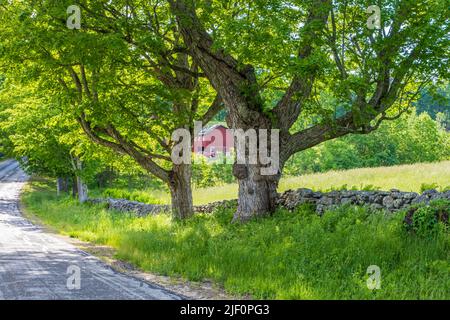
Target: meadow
[413,177]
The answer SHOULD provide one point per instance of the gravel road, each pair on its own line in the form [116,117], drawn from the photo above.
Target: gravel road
[35,265]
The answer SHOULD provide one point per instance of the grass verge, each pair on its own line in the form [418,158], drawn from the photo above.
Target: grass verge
[295,255]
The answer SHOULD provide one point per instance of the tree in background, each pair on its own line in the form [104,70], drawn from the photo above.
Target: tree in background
[36,134]
[436,102]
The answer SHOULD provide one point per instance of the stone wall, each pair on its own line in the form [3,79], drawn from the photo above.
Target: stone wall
[139,208]
[392,200]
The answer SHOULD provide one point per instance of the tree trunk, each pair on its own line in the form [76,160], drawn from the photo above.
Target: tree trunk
[257,193]
[82,190]
[62,185]
[65,185]
[74,187]
[59,186]
[81,186]
[181,192]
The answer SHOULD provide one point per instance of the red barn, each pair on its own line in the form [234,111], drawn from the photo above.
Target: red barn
[213,140]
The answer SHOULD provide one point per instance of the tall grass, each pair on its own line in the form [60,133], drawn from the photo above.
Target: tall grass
[295,255]
[404,177]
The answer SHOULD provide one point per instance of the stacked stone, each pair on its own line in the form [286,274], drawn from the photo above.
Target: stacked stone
[138,208]
[210,207]
[392,200]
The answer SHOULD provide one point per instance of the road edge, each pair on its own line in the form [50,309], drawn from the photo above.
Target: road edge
[206,290]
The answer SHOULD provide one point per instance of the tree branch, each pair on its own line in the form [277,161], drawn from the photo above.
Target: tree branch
[213,110]
[122,147]
[288,108]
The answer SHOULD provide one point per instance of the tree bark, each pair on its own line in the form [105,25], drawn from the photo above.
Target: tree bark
[82,190]
[180,191]
[74,187]
[59,185]
[81,186]
[257,193]
[62,185]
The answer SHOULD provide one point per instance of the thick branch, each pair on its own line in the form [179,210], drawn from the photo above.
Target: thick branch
[122,147]
[288,108]
[221,69]
[213,110]
[317,134]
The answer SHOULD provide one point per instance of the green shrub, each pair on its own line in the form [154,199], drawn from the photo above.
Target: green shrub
[208,173]
[411,139]
[140,196]
[428,186]
[428,220]
[433,186]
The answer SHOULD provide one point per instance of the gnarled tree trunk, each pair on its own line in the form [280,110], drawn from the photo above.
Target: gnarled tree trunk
[257,193]
[180,191]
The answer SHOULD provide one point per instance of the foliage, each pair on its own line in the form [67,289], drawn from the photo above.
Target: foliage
[411,139]
[35,132]
[434,186]
[211,172]
[437,104]
[136,195]
[428,220]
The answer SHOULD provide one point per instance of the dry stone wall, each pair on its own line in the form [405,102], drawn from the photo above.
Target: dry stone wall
[392,200]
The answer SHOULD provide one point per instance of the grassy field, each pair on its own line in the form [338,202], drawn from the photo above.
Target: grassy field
[405,178]
[295,255]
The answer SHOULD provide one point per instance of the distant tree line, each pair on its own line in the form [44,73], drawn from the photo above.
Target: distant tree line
[437,104]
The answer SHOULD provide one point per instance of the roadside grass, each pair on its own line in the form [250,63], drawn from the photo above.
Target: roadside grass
[404,177]
[295,255]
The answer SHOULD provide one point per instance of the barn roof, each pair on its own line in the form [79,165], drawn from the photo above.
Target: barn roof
[208,130]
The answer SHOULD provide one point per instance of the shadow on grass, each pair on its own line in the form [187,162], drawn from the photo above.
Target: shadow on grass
[291,255]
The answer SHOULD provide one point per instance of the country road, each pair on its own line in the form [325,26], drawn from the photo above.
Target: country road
[37,265]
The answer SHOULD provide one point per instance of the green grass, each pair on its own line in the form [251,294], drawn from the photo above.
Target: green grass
[404,177]
[287,256]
